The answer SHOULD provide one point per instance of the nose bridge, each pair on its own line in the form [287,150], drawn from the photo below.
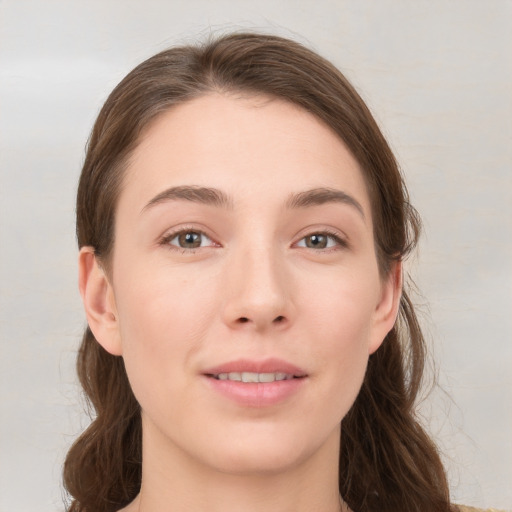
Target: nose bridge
[257,285]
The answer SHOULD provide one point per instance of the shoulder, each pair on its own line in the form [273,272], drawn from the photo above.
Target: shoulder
[462,508]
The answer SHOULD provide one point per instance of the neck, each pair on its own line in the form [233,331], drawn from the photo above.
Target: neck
[173,481]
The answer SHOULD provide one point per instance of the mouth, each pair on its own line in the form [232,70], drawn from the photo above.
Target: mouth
[252,377]
[256,384]
[251,371]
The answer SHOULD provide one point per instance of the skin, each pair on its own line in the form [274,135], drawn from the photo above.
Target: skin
[256,287]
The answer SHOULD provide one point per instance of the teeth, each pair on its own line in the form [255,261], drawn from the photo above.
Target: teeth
[253,377]
[250,377]
[266,377]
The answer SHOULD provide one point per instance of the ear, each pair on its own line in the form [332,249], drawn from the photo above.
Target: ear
[386,312]
[99,302]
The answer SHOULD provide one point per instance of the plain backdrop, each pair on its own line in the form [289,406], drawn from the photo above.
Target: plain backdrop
[437,74]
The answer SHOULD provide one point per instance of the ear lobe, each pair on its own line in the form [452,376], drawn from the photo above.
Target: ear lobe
[99,303]
[387,309]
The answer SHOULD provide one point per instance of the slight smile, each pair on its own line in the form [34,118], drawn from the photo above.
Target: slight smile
[256,383]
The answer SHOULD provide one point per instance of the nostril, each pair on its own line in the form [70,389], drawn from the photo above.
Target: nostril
[277,320]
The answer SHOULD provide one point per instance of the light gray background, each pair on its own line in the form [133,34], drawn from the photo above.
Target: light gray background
[438,76]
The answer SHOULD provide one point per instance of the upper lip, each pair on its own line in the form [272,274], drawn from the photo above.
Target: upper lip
[272,365]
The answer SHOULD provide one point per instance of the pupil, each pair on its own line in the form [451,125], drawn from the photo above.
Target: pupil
[190,240]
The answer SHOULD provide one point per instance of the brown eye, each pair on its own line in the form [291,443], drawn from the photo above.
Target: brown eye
[189,240]
[321,241]
[316,241]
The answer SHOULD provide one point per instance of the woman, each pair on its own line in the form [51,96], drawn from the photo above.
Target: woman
[250,346]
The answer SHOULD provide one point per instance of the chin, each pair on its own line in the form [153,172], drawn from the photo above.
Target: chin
[269,451]
[256,461]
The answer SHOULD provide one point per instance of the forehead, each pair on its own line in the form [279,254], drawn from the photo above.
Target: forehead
[244,145]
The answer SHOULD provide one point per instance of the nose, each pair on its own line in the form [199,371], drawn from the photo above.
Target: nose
[258,291]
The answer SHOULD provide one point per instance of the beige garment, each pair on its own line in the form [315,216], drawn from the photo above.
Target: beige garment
[463,508]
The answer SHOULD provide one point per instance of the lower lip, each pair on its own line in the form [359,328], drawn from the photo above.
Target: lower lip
[256,394]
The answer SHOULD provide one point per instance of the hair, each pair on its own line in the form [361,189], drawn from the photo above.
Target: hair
[387,462]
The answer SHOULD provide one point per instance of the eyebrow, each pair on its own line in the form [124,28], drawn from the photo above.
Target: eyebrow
[319,196]
[203,195]
[215,197]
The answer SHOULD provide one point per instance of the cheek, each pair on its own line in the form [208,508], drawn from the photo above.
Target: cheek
[163,319]
[340,322]
[162,306]
[343,310]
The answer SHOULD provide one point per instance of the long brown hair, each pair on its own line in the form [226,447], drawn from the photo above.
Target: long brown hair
[387,462]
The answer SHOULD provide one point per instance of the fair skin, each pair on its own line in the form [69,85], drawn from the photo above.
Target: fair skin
[273,273]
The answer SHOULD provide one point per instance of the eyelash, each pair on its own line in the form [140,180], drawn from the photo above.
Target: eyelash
[166,240]
[339,241]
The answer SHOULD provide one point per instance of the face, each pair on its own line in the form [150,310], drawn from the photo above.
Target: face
[243,252]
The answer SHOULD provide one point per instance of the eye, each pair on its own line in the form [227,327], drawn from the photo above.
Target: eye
[188,239]
[321,241]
